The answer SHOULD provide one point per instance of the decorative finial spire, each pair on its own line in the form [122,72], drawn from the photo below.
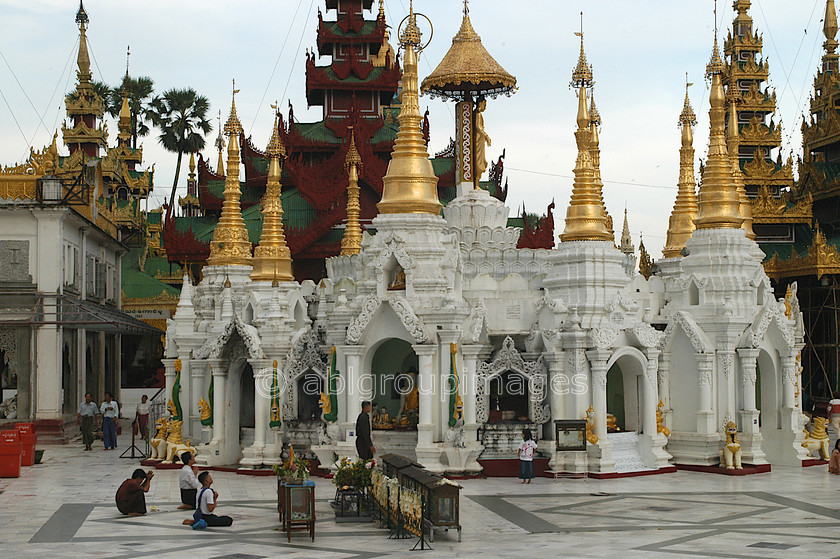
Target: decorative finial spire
[352,241]
[719,200]
[381,9]
[192,166]
[410,184]
[626,240]
[681,223]
[645,263]
[127,57]
[230,245]
[233,126]
[272,258]
[582,75]
[220,145]
[595,148]
[829,60]
[585,216]
[83,58]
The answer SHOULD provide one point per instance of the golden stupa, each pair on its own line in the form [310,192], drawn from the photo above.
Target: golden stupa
[410,185]
[719,199]
[352,241]
[272,258]
[230,245]
[681,223]
[585,216]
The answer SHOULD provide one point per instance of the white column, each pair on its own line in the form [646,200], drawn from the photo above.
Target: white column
[219,400]
[598,367]
[749,413]
[705,413]
[557,384]
[665,387]
[169,376]
[649,393]
[726,364]
[427,389]
[788,381]
[47,370]
[262,398]
[356,389]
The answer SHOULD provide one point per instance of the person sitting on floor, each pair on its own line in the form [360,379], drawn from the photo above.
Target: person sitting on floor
[206,503]
[130,496]
[188,483]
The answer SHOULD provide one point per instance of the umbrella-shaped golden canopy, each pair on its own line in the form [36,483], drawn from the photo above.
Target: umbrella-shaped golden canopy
[468,67]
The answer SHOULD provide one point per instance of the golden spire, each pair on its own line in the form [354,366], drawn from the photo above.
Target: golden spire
[645,263]
[719,200]
[352,241]
[220,145]
[626,240]
[83,58]
[410,184]
[594,144]
[830,31]
[381,9]
[681,223]
[272,258]
[192,166]
[124,125]
[230,245]
[732,145]
[585,219]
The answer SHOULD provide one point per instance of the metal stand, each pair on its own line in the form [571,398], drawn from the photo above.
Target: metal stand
[424,545]
[573,475]
[133,448]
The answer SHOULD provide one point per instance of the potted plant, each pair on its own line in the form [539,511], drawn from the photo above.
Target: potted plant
[293,471]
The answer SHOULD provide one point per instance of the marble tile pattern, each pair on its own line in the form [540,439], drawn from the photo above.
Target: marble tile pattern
[65,508]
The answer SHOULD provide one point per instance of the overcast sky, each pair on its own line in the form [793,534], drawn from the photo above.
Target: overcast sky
[640,51]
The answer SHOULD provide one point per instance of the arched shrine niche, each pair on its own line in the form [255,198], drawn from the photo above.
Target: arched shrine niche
[625,373]
[394,388]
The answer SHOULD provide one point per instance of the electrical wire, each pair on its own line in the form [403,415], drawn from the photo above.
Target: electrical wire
[297,55]
[605,181]
[14,117]
[273,70]
[26,95]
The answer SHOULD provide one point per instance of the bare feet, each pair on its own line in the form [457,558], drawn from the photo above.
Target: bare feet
[528,482]
[135,514]
[185,507]
[188,521]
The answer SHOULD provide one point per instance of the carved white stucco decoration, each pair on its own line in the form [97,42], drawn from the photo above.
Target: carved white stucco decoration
[305,355]
[770,314]
[476,321]
[691,329]
[213,347]
[603,338]
[647,335]
[509,359]
[357,327]
[8,345]
[410,320]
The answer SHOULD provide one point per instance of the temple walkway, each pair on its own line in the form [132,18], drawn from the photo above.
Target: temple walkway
[65,508]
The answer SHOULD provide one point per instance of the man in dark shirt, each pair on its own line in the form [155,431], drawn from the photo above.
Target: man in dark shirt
[130,496]
[364,444]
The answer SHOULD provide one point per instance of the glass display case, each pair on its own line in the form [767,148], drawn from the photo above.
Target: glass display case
[570,434]
[296,505]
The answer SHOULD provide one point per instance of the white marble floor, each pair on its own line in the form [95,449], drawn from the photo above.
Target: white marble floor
[65,508]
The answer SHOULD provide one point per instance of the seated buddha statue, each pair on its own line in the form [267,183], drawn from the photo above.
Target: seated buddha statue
[410,408]
[399,281]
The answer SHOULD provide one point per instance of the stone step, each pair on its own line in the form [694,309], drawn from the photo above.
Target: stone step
[625,452]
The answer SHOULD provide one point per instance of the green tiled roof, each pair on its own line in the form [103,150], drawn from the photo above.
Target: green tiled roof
[831,171]
[154,217]
[333,27]
[352,78]
[139,285]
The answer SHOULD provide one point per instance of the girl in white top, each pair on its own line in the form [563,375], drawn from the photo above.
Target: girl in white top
[526,456]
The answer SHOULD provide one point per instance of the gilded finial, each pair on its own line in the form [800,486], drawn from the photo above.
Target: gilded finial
[830,21]
[715,65]
[226,285]
[192,165]
[582,75]
[81,16]
[681,222]
[272,257]
[410,184]
[381,9]
[645,262]
[626,240]
[233,126]
[83,57]
[220,145]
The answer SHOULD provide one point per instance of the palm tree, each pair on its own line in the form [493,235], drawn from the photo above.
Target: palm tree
[181,115]
[139,102]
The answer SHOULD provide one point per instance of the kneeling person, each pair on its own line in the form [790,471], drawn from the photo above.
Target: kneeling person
[188,483]
[206,503]
[130,496]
